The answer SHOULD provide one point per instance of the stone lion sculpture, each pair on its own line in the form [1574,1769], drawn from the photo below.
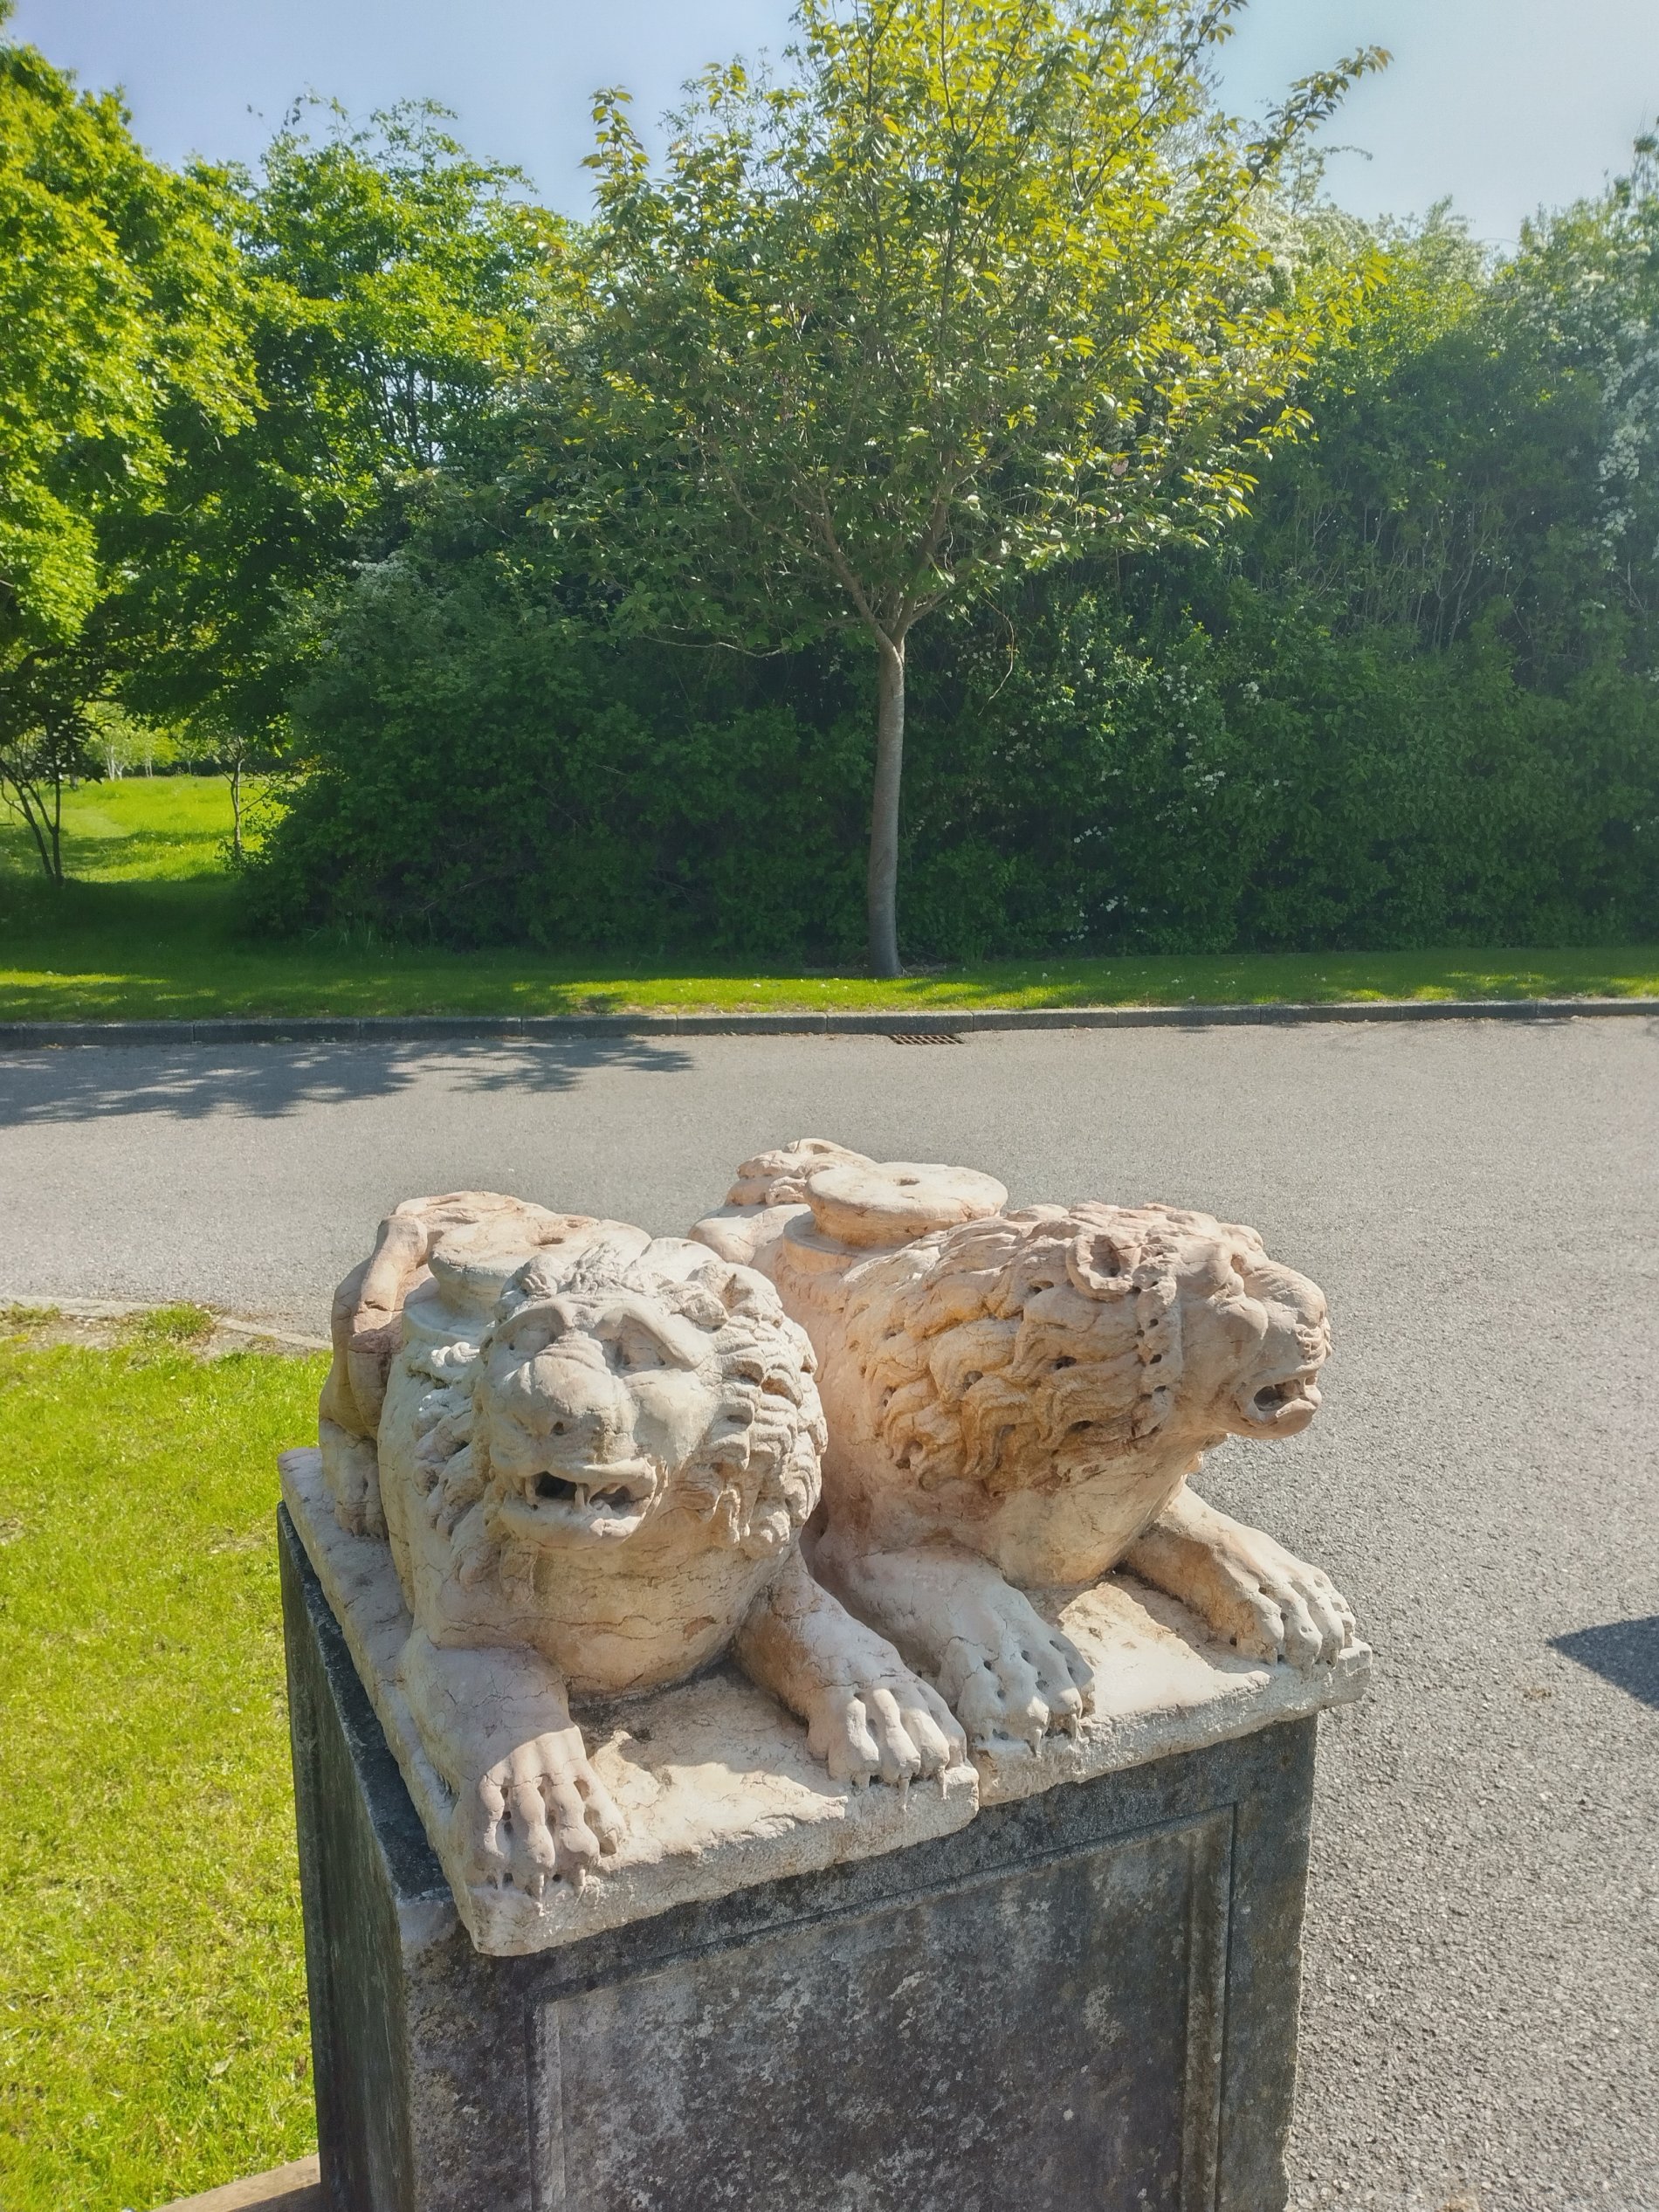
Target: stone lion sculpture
[592,1454]
[1015,1400]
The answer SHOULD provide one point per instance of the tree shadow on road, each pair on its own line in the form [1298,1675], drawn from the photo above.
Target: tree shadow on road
[190,1083]
[1625,1653]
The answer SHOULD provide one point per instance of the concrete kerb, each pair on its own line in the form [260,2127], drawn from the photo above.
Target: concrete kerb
[126,1309]
[297,2188]
[548,1029]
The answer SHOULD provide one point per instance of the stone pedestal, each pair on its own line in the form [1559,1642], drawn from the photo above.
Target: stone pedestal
[1083,1995]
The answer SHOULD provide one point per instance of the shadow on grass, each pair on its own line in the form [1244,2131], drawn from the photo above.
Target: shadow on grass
[172,948]
[120,855]
[189,913]
[266,1082]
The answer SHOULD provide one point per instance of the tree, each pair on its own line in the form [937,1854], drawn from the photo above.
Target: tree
[392,287]
[118,320]
[1586,280]
[980,284]
[1487,435]
[45,743]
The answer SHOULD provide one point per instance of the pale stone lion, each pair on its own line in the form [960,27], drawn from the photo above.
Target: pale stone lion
[592,1454]
[1015,1402]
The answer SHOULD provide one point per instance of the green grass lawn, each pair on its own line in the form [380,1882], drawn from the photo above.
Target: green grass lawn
[153,2036]
[147,929]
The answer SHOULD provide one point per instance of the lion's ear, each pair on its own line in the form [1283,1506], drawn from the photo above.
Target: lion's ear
[1101,1266]
[536,1283]
[744,1294]
[697,1302]
[520,1335]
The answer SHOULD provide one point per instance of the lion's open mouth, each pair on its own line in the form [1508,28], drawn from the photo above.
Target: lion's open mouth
[614,1498]
[1288,1402]
[598,1500]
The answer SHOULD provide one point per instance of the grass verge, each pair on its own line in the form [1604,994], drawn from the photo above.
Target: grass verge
[147,931]
[152,2033]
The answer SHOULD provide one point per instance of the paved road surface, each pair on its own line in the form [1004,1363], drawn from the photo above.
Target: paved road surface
[1481,1201]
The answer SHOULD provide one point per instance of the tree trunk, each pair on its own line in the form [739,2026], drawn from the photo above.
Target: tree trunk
[35,816]
[882,900]
[58,826]
[236,808]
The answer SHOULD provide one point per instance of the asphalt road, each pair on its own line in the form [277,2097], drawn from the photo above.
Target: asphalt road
[1481,1201]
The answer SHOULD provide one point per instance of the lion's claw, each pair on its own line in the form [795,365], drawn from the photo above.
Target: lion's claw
[540,1815]
[892,1728]
[1008,1676]
[1273,1605]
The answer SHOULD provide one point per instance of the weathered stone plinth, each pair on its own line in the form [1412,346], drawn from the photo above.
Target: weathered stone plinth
[1081,1996]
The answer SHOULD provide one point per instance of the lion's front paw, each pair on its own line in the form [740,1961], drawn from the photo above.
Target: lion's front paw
[1006,1674]
[1271,1604]
[541,1814]
[883,1723]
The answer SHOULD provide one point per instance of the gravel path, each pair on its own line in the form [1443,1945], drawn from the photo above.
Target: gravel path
[1482,1202]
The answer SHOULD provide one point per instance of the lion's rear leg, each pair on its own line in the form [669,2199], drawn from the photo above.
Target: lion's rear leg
[351,1470]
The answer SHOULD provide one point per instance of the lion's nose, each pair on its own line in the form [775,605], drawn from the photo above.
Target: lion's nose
[589,1413]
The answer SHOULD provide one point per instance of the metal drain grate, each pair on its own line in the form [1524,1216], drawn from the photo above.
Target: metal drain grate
[924,1037]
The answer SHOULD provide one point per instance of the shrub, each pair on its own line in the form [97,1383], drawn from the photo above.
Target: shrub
[486,772]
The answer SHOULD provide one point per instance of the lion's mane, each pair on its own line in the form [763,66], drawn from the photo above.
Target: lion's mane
[986,1345]
[754,1478]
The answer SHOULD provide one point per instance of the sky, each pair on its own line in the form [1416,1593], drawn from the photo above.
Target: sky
[1500,105]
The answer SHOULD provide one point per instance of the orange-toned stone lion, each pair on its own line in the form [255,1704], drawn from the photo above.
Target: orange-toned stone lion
[1015,1400]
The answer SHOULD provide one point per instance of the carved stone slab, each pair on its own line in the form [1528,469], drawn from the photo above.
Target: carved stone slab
[714,1777]
[716,1780]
